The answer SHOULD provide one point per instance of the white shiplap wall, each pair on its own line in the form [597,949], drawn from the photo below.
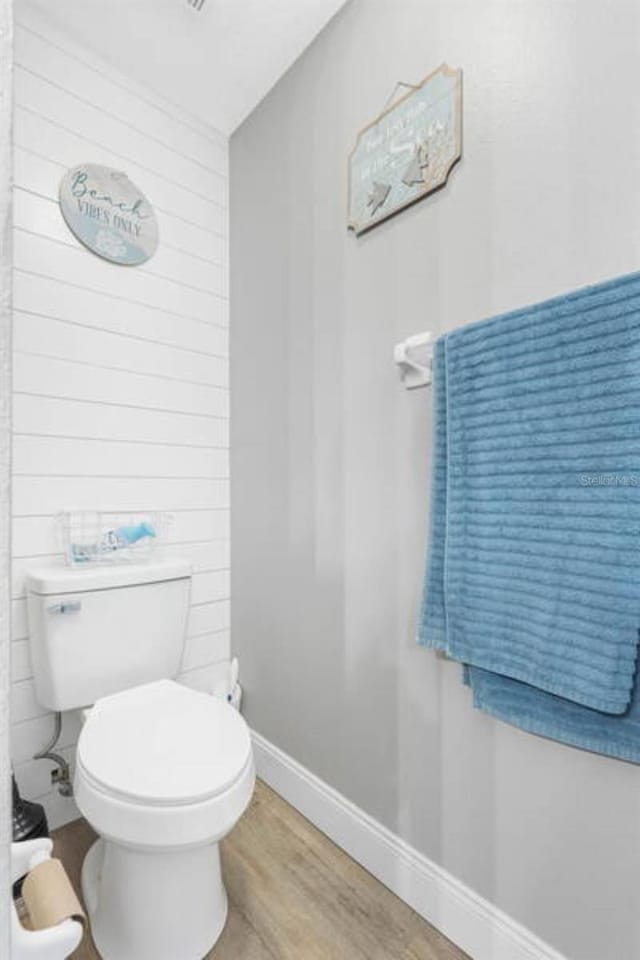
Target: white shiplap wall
[120,373]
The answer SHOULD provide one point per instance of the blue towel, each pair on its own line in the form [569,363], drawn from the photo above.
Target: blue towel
[550,716]
[533,572]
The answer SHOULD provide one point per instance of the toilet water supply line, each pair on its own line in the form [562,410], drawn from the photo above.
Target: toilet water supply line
[61,774]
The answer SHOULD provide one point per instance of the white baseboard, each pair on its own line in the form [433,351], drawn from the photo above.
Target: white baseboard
[475,925]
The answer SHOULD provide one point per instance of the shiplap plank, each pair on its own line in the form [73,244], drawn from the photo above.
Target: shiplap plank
[41,176]
[36,536]
[50,259]
[47,376]
[36,214]
[211,585]
[59,104]
[206,649]
[193,525]
[70,341]
[210,555]
[206,679]
[24,705]
[209,618]
[55,298]
[60,41]
[49,455]
[21,660]
[35,496]
[67,144]
[29,736]
[96,420]
[67,70]
[19,627]
[33,538]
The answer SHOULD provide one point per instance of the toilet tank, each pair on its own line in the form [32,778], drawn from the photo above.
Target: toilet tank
[97,630]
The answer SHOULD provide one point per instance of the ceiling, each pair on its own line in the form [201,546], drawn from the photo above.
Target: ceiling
[217,63]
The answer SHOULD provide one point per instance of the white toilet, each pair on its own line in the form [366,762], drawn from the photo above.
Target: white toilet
[162,772]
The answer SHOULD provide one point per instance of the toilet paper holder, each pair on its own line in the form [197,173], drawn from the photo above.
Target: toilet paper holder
[56,942]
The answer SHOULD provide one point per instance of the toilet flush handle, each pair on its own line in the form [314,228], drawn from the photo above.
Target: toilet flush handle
[71,606]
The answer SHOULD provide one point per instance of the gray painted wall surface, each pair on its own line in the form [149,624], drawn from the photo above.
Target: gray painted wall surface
[330,456]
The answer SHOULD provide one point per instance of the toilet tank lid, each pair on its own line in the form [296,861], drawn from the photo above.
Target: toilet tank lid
[60,578]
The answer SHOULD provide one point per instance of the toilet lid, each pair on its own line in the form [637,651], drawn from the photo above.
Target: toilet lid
[165,744]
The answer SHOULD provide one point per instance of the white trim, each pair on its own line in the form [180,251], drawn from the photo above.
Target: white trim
[470,921]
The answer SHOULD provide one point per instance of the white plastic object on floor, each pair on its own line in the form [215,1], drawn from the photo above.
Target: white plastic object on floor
[227,687]
[234,670]
[55,943]
[235,697]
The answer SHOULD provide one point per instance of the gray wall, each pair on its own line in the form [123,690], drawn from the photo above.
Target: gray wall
[330,456]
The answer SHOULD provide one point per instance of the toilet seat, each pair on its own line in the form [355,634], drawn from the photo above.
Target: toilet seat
[163,765]
[163,744]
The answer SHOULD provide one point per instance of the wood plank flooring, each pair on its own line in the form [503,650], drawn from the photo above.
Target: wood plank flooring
[293,895]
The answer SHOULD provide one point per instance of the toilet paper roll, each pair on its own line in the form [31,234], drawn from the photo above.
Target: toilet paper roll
[49,896]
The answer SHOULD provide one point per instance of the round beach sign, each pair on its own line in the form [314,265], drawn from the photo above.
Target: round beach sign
[108,213]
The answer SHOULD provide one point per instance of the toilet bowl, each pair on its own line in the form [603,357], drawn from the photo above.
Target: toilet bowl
[162,775]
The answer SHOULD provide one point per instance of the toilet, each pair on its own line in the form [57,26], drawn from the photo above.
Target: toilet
[163,772]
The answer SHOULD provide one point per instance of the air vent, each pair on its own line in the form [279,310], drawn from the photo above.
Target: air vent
[196,4]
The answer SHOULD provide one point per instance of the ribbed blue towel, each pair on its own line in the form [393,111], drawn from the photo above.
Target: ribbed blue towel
[550,716]
[534,556]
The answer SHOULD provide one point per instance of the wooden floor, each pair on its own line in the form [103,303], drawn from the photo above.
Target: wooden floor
[294,895]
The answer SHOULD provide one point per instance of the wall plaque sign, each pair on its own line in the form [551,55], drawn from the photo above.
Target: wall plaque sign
[408,151]
[108,213]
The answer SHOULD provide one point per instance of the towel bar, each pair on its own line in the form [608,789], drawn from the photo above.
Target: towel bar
[413,357]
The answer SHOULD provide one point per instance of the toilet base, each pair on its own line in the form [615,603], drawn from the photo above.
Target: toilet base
[154,905]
